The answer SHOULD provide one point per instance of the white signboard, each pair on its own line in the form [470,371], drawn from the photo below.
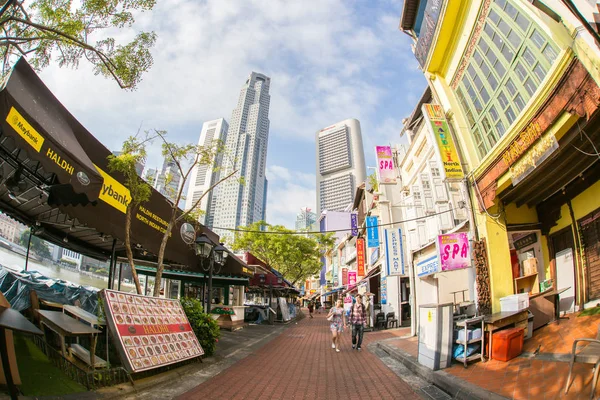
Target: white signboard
[394,251]
[428,266]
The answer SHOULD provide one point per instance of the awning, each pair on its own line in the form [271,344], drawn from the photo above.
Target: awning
[38,124]
[333,291]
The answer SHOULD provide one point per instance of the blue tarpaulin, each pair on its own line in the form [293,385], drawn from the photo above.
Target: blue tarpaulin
[16,287]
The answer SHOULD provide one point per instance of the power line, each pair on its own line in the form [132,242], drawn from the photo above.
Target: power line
[334,230]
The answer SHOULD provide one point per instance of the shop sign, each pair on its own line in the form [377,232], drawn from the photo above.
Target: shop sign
[445,143]
[522,142]
[525,241]
[383,289]
[431,17]
[351,278]
[150,332]
[453,251]
[354,224]
[428,266]
[188,233]
[362,287]
[360,256]
[385,165]
[344,276]
[372,232]
[374,256]
[534,157]
[313,291]
[394,251]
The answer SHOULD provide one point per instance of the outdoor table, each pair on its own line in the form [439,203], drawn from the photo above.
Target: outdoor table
[14,321]
[503,320]
[51,304]
[64,326]
[556,294]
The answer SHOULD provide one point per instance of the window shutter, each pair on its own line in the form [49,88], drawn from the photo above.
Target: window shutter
[427,193]
[422,232]
[439,188]
[445,218]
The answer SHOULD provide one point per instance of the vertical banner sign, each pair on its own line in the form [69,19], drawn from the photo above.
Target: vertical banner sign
[385,165]
[322,279]
[360,256]
[394,251]
[351,279]
[383,291]
[453,250]
[372,232]
[354,224]
[440,132]
[149,332]
[344,276]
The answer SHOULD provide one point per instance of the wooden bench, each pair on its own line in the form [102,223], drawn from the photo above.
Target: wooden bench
[83,354]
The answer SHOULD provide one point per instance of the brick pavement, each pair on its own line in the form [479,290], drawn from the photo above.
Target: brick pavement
[535,377]
[300,364]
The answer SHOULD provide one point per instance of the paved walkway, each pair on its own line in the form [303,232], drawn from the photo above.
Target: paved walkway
[300,364]
[540,375]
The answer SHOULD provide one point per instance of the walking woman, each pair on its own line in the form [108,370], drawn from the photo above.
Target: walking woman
[310,309]
[337,324]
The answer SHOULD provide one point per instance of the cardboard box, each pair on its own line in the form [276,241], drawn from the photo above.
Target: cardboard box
[530,266]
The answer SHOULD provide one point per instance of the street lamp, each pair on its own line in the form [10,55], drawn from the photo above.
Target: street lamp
[215,255]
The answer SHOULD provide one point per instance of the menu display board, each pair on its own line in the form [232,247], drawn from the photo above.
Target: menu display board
[150,332]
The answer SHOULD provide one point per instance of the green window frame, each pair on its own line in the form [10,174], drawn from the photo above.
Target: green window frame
[511,59]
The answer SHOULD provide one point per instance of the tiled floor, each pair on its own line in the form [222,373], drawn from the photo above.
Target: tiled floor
[531,378]
[300,364]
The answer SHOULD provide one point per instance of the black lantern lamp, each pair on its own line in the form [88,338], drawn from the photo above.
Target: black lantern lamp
[203,246]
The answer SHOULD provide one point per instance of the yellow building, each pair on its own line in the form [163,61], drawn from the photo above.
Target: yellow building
[519,86]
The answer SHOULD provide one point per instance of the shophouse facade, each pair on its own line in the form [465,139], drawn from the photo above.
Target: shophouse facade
[518,84]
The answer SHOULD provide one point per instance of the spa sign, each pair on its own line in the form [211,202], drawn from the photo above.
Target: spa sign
[149,332]
[453,251]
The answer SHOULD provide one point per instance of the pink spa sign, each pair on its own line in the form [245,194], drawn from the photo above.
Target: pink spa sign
[454,252]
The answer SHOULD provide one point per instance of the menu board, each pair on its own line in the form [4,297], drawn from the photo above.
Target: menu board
[151,332]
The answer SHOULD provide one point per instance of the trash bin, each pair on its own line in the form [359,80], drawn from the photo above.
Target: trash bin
[529,326]
[435,335]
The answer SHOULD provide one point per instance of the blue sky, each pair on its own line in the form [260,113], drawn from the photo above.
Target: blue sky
[328,60]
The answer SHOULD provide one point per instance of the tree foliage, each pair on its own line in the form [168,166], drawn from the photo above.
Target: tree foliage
[185,157]
[132,153]
[67,31]
[297,257]
[38,246]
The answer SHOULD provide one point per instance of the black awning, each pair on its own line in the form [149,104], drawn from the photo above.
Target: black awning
[41,126]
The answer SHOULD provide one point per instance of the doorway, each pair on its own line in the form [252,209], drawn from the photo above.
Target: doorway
[563,251]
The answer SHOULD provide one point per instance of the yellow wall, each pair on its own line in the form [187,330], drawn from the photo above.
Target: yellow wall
[583,204]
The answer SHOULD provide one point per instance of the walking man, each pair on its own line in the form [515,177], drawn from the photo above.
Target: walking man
[358,320]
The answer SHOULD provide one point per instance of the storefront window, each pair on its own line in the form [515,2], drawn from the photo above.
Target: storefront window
[510,61]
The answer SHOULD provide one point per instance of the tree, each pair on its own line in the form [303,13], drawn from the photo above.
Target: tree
[296,256]
[185,157]
[133,153]
[38,246]
[43,30]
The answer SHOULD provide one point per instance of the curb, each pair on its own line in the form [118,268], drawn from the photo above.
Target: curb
[456,387]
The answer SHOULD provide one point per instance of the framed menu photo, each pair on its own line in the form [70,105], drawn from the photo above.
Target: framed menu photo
[150,332]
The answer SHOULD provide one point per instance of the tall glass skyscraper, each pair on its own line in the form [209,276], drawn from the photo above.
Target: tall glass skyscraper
[242,203]
[340,165]
[204,176]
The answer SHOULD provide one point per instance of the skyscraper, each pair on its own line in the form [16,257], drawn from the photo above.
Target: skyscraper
[242,203]
[340,165]
[204,176]
[305,219]
[169,190]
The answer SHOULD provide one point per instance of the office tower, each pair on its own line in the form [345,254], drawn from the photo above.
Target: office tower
[150,176]
[169,170]
[242,203]
[205,175]
[305,219]
[340,165]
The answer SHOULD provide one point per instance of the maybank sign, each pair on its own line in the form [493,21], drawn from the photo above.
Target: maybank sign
[113,192]
[24,129]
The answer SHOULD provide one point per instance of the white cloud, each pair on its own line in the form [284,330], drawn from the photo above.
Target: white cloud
[327,61]
[289,191]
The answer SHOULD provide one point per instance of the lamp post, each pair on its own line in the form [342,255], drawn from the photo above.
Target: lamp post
[214,255]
